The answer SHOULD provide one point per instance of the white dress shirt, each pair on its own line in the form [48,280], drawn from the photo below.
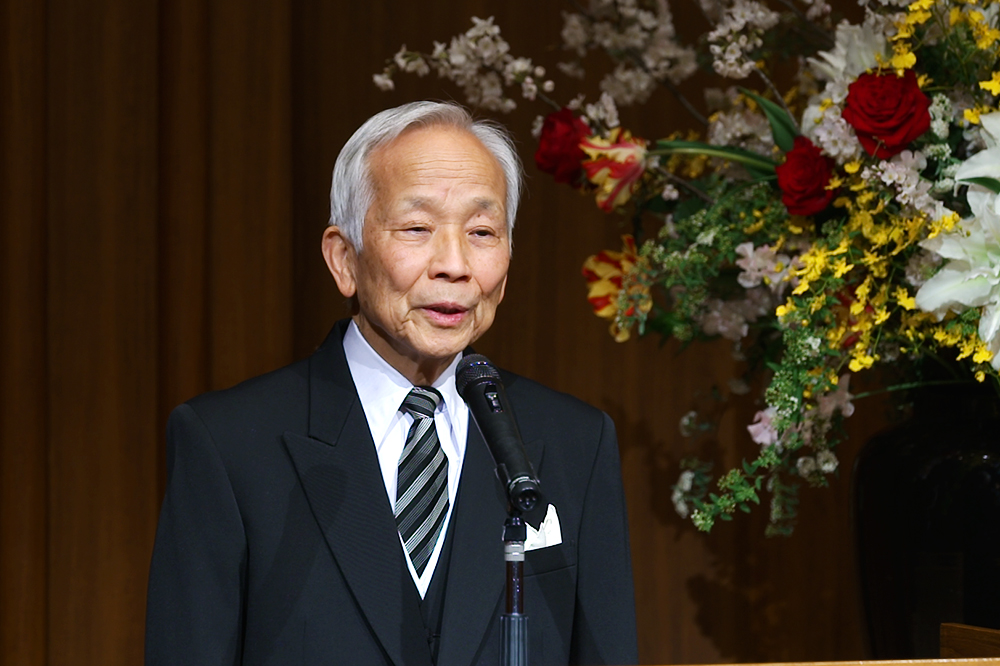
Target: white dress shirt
[382,389]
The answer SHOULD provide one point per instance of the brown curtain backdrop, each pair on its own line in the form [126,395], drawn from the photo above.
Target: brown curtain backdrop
[163,188]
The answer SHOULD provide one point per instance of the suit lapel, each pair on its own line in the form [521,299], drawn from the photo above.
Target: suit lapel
[340,473]
[476,576]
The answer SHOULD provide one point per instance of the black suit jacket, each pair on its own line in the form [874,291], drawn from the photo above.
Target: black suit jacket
[276,543]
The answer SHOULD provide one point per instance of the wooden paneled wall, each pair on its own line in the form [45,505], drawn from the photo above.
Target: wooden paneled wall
[164,186]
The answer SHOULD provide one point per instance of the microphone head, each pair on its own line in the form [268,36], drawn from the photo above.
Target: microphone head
[473,368]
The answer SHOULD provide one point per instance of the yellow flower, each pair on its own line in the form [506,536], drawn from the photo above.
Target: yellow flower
[861,296]
[785,309]
[904,299]
[860,361]
[903,58]
[841,267]
[985,37]
[993,85]
[917,18]
[903,31]
[982,354]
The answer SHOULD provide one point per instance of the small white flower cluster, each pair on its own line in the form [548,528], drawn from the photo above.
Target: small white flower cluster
[741,128]
[643,41]
[737,35]
[902,173]
[480,62]
[824,126]
[885,3]
[825,462]
[628,85]
[817,9]
[383,81]
[684,485]
[603,112]
[938,151]
[688,424]
[941,114]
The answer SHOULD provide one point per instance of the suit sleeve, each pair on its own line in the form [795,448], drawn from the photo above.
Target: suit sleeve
[604,628]
[195,602]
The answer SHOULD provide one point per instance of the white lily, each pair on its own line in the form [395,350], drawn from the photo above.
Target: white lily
[972,277]
[985,163]
[857,49]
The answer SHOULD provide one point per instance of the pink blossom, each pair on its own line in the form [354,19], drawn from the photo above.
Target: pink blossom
[761,430]
[762,264]
[837,400]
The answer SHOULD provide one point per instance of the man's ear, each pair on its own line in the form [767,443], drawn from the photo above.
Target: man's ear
[341,259]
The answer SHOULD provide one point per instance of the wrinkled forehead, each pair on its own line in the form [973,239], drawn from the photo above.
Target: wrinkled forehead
[432,163]
[426,142]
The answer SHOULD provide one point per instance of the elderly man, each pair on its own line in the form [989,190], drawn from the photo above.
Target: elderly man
[344,510]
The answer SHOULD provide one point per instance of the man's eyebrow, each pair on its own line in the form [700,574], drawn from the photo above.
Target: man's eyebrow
[416,203]
[487,203]
[423,203]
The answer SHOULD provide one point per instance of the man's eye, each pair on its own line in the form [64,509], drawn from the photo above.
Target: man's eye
[483,233]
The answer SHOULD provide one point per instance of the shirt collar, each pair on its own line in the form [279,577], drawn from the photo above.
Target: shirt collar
[382,388]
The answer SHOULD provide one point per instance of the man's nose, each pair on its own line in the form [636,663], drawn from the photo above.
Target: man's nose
[450,259]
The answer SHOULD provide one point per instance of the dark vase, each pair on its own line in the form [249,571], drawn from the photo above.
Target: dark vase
[927,512]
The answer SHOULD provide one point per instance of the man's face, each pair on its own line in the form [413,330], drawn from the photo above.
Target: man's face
[436,249]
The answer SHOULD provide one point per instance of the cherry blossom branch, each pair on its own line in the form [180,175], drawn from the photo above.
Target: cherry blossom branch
[669,85]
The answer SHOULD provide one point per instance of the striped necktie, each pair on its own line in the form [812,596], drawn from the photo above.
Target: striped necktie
[421,479]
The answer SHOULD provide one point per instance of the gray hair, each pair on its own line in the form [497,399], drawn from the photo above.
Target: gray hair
[352,192]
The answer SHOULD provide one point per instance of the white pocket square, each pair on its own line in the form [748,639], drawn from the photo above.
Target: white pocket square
[547,534]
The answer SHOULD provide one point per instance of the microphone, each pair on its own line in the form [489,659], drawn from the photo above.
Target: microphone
[478,382]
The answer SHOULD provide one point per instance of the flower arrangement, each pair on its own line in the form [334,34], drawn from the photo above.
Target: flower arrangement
[846,222]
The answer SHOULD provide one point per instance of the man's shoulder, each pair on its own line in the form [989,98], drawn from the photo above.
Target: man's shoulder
[532,401]
[277,392]
[284,391]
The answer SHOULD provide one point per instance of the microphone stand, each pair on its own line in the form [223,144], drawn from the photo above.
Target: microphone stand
[514,623]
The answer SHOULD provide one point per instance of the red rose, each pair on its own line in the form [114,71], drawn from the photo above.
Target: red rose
[803,178]
[887,111]
[559,151]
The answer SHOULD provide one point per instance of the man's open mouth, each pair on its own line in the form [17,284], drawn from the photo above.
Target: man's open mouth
[446,309]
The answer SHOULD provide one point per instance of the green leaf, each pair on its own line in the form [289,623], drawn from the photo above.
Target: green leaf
[783,126]
[758,165]
[992,184]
